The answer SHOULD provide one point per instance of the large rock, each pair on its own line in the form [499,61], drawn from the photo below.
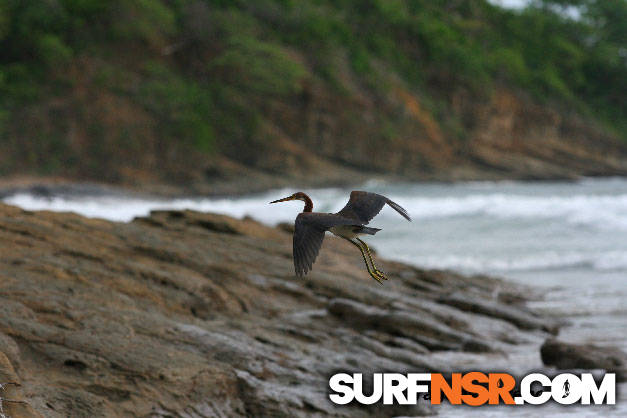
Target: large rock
[184,313]
[564,355]
[517,315]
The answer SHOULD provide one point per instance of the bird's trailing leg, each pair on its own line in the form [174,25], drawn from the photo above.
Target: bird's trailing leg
[363,254]
[374,267]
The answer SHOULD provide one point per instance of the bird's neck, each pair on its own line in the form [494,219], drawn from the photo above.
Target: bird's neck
[308,203]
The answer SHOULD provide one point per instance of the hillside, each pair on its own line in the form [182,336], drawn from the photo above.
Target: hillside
[192,314]
[195,93]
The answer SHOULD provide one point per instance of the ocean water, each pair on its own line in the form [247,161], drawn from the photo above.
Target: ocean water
[568,239]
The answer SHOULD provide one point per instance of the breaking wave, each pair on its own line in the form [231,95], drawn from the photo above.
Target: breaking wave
[607,211]
[604,211]
[542,261]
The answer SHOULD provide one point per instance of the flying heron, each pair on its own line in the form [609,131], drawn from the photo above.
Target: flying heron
[348,223]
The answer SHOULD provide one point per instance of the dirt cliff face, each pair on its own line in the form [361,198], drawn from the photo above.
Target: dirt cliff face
[322,138]
[183,313]
[327,138]
[522,139]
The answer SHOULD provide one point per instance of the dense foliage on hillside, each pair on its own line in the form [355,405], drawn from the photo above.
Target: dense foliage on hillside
[201,73]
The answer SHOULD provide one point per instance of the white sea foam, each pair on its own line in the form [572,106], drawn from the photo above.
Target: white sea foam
[546,260]
[123,209]
[602,211]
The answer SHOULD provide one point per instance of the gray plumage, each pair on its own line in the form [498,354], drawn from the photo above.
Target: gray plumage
[365,205]
[310,227]
[309,232]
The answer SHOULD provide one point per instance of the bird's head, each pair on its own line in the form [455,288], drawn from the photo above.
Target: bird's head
[296,196]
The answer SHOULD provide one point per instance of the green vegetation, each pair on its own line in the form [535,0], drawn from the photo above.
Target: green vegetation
[208,71]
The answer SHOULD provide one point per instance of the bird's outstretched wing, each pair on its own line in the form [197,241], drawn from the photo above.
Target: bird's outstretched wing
[308,235]
[364,206]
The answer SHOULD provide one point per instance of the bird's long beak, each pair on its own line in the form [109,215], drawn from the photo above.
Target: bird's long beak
[285,199]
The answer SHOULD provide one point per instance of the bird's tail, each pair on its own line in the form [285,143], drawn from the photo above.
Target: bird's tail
[368,230]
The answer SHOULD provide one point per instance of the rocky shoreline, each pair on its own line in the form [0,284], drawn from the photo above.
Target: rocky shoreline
[194,314]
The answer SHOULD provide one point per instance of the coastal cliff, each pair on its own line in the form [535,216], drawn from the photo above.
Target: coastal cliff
[213,97]
[193,314]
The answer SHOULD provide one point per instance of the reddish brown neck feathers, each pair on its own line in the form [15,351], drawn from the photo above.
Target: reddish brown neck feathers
[308,203]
